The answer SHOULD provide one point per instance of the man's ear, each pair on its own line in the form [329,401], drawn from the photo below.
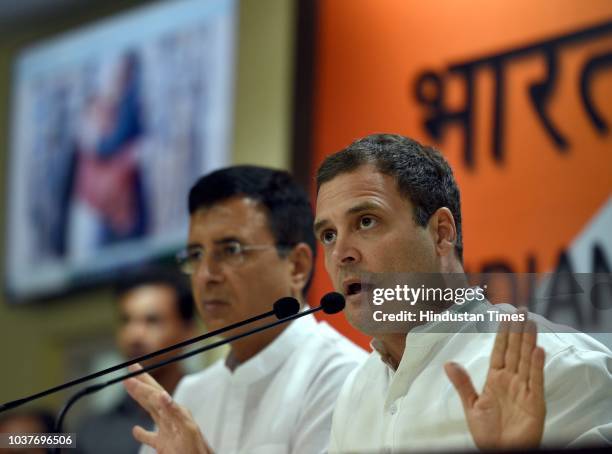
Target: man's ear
[442,225]
[301,263]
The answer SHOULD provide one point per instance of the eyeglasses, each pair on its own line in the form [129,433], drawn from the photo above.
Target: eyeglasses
[230,253]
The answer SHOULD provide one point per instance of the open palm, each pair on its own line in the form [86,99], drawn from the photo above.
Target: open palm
[510,411]
[176,431]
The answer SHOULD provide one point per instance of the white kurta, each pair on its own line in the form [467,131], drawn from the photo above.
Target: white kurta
[279,401]
[416,407]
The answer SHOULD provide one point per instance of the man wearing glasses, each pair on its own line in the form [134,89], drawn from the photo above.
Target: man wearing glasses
[251,243]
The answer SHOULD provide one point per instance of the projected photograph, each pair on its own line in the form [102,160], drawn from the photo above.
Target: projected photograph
[111,126]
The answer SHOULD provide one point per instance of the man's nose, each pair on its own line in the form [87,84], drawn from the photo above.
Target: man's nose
[208,270]
[134,330]
[345,251]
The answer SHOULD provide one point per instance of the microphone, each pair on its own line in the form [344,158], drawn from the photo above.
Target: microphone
[331,303]
[285,307]
[282,308]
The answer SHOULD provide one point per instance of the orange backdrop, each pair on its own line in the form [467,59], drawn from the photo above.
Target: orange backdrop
[524,199]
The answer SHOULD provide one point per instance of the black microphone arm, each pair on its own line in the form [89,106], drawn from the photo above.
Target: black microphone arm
[282,308]
[331,303]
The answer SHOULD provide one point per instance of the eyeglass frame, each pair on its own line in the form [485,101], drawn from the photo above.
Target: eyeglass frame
[183,256]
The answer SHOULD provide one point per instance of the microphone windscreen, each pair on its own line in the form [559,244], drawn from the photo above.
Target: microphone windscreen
[286,307]
[332,303]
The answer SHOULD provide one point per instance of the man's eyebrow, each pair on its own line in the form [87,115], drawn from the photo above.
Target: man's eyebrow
[224,240]
[228,239]
[359,208]
[364,206]
[318,225]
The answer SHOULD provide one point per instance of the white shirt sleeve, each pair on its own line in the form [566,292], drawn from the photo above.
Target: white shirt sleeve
[579,398]
[339,418]
[313,435]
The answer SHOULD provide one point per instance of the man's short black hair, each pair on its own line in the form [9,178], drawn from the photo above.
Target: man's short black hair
[422,174]
[157,275]
[286,204]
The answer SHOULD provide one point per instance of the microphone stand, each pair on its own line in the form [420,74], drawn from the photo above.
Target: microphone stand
[279,311]
[94,388]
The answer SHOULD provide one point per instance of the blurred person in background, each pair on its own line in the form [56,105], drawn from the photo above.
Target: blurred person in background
[27,422]
[155,309]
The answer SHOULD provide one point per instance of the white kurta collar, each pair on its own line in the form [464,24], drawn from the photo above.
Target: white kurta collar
[273,355]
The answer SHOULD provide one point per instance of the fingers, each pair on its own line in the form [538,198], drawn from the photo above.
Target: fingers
[499,348]
[144,377]
[536,372]
[516,344]
[462,383]
[134,367]
[144,436]
[153,399]
[528,343]
[513,352]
